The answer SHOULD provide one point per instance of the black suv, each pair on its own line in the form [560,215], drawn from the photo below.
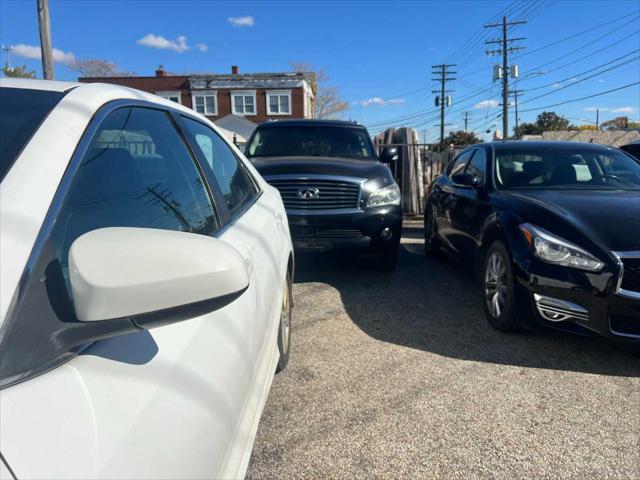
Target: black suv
[336,191]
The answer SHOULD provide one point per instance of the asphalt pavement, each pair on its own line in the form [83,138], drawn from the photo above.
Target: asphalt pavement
[399,376]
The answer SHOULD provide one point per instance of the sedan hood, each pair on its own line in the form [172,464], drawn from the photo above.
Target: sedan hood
[345,167]
[609,217]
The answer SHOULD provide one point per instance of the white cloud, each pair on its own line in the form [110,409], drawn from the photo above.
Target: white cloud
[202,47]
[556,85]
[573,79]
[381,102]
[593,109]
[623,110]
[601,80]
[487,104]
[33,51]
[158,41]
[246,21]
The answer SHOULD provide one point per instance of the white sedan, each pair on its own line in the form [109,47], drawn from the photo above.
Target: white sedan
[145,287]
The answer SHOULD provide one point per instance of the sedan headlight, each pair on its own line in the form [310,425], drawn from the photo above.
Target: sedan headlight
[551,249]
[385,196]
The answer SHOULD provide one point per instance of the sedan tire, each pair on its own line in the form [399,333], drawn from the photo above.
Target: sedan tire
[431,243]
[284,329]
[498,289]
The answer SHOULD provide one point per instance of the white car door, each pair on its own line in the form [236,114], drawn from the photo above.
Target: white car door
[179,401]
[258,225]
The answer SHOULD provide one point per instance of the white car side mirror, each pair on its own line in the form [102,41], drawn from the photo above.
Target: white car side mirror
[152,276]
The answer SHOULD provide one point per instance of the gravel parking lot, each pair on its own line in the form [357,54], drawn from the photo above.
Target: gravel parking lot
[399,376]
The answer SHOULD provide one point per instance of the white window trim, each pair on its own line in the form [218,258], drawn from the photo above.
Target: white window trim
[206,93]
[244,93]
[171,93]
[278,93]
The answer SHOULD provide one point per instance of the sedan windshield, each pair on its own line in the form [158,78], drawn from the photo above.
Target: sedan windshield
[582,168]
[311,141]
[21,113]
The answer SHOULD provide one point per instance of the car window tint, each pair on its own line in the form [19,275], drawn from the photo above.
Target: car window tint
[21,113]
[580,168]
[459,163]
[478,164]
[137,172]
[238,189]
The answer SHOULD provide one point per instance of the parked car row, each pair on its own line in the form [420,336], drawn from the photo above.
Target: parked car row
[147,265]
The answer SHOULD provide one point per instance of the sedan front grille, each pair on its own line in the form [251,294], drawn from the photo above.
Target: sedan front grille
[631,274]
[310,194]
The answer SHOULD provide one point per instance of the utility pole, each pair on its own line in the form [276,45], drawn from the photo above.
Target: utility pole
[7,50]
[504,50]
[45,39]
[516,92]
[597,119]
[466,121]
[442,74]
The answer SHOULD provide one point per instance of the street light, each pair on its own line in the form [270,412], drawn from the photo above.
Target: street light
[515,92]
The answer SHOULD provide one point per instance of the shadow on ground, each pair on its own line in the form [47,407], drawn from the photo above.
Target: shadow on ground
[435,305]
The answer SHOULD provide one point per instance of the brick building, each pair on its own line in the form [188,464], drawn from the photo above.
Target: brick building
[255,97]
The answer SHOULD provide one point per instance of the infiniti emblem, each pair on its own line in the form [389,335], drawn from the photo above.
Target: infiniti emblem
[308,193]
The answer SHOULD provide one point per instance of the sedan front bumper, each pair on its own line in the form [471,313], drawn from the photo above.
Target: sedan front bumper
[579,301]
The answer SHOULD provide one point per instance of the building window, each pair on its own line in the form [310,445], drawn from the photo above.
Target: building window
[279,103]
[205,103]
[243,103]
[173,96]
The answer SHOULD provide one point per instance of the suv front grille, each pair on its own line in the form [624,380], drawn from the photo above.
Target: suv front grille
[631,274]
[325,231]
[310,194]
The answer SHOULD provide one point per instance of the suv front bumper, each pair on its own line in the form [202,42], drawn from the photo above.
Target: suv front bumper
[354,229]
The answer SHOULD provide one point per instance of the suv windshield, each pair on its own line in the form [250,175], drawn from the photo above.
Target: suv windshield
[559,168]
[21,113]
[311,141]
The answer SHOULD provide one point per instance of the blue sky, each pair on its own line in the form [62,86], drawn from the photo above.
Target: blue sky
[379,54]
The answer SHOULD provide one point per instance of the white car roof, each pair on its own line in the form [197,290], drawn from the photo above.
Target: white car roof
[93,93]
[33,84]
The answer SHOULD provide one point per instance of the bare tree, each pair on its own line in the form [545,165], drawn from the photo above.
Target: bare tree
[328,103]
[98,68]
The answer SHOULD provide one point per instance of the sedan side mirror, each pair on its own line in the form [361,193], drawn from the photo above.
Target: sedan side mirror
[466,180]
[389,154]
[152,277]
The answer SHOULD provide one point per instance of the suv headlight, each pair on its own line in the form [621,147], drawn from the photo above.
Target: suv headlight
[385,196]
[551,249]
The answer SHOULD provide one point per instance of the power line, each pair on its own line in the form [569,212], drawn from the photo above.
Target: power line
[575,76]
[575,35]
[583,79]
[582,47]
[582,98]
[589,30]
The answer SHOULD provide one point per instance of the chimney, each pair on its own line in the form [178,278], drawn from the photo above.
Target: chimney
[160,71]
[234,70]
